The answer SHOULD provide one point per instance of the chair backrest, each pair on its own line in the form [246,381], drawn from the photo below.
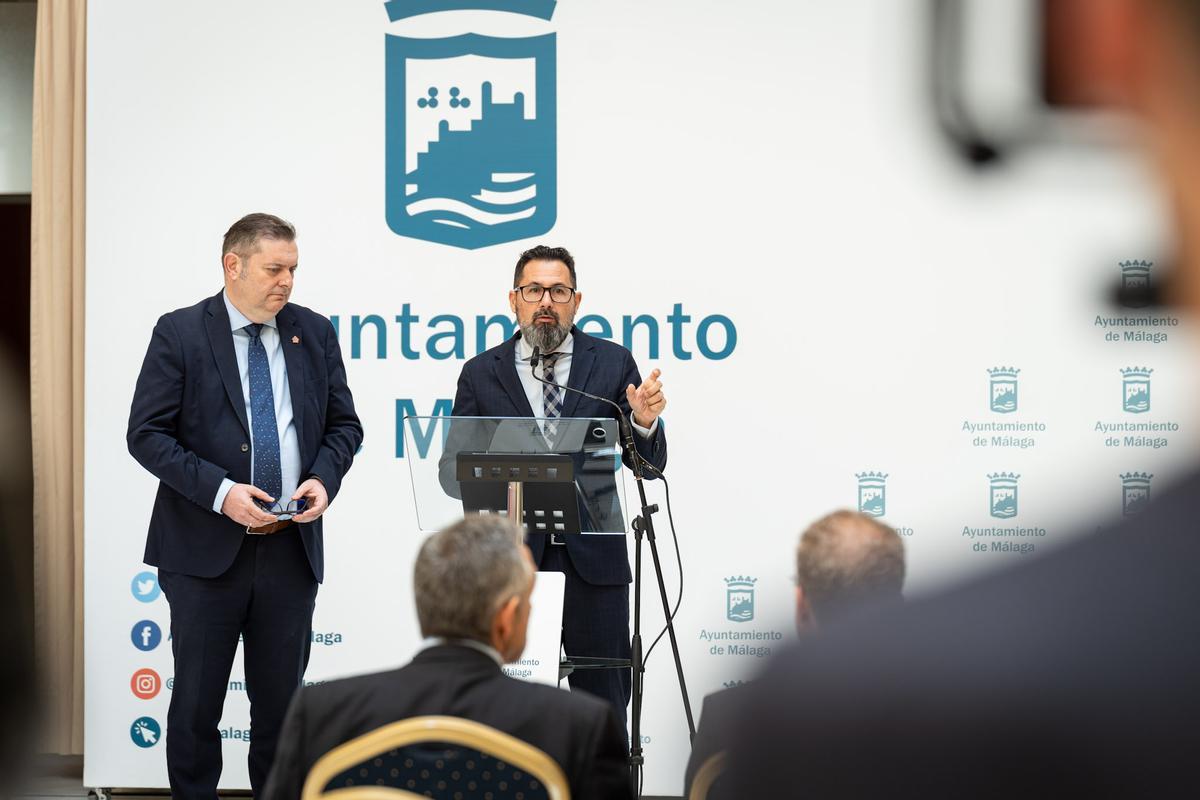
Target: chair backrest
[707,775]
[446,756]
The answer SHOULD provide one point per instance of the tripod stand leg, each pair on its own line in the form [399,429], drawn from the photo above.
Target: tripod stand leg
[637,674]
[666,604]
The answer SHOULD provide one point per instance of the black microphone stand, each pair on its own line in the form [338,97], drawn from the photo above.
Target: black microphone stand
[643,525]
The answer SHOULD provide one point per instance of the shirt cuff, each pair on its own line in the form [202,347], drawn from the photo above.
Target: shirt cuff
[223,490]
[645,433]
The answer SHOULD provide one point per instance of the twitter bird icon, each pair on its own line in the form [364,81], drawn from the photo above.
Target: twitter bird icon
[145,587]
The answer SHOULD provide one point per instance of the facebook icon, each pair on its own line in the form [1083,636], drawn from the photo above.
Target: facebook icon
[146,635]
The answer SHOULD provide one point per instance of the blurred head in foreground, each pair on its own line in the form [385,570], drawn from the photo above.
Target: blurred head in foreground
[473,581]
[1143,56]
[845,560]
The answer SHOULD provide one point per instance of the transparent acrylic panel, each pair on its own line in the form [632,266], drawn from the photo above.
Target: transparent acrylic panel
[466,463]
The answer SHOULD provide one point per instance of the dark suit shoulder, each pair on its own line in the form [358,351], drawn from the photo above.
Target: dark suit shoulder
[722,703]
[605,348]
[501,350]
[335,691]
[577,704]
[306,317]
[190,315]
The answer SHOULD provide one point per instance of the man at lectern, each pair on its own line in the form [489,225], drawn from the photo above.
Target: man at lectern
[243,414]
[500,383]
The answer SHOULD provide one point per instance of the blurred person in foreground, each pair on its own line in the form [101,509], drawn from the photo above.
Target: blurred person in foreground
[19,723]
[472,583]
[845,562]
[1076,675]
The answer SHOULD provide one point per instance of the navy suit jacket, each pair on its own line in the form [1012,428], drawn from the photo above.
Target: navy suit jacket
[580,732]
[188,427]
[490,387]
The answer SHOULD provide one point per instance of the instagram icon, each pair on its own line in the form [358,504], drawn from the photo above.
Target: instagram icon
[145,683]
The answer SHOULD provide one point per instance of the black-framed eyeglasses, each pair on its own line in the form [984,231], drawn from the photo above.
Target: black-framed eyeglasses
[532,293]
[283,511]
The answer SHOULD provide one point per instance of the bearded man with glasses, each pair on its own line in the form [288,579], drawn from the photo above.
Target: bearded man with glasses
[500,383]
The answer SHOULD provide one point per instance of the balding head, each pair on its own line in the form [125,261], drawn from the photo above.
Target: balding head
[844,560]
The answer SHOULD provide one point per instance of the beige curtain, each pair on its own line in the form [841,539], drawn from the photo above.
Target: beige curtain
[56,362]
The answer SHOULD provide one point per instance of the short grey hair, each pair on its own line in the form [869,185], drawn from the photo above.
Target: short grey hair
[244,235]
[465,573]
[846,559]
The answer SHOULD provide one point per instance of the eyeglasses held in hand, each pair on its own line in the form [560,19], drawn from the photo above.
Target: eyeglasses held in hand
[284,511]
[532,293]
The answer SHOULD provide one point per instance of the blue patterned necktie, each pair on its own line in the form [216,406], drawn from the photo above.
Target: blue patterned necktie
[268,475]
[552,397]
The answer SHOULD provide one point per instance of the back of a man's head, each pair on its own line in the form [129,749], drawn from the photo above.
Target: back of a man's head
[466,573]
[846,560]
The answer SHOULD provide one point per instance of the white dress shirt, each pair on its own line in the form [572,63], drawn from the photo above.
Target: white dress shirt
[289,442]
[562,373]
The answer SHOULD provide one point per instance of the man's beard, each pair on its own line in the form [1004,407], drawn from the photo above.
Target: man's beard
[546,337]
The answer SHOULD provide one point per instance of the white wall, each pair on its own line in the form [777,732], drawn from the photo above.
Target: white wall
[17,25]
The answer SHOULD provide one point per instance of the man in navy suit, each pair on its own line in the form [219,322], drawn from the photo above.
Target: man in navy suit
[499,383]
[243,414]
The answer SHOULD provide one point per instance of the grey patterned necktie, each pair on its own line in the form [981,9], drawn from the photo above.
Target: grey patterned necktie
[552,396]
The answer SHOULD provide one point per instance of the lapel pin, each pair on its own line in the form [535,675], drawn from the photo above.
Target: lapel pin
[295,340]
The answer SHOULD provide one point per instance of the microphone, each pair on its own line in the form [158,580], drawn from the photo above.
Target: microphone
[622,419]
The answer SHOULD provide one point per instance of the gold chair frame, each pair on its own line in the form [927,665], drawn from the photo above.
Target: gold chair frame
[708,773]
[452,730]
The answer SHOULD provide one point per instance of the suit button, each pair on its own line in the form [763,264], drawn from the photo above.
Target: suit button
[245,447]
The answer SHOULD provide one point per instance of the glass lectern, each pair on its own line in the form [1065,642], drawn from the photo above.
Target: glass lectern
[559,477]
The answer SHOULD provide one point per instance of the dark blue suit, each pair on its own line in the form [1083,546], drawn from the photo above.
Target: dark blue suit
[188,427]
[596,612]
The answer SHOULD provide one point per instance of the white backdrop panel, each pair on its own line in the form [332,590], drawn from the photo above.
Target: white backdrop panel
[768,168]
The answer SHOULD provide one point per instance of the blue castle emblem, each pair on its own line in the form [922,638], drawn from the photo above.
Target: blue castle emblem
[1003,389]
[1002,502]
[1135,492]
[1135,277]
[739,598]
[1135,382]
[872,493]
[471,130]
